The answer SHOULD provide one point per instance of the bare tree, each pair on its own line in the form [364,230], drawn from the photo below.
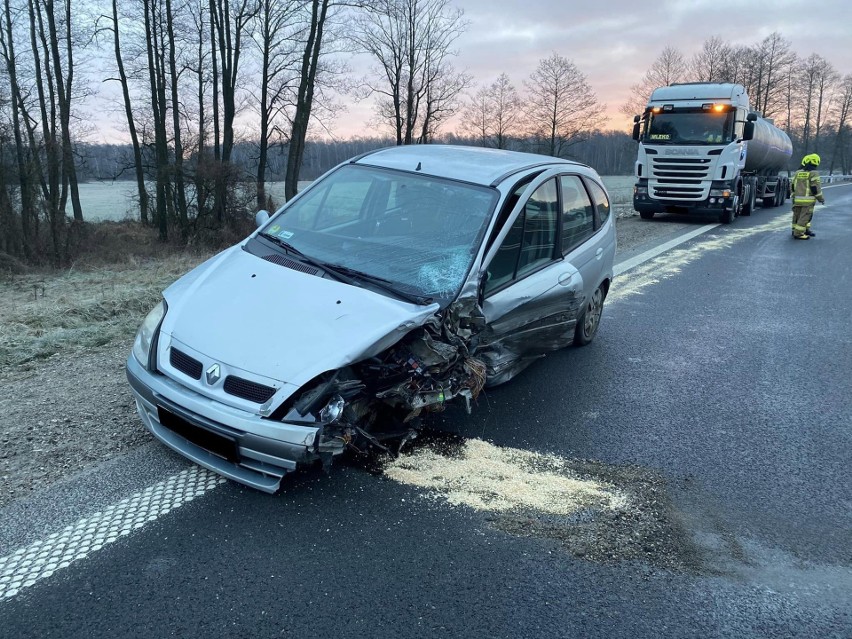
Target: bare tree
[817,79]
[562,109]
[276,37]
[841,150]
[493,112]
[708,65]
[128,113]
[668,68]
[410,42]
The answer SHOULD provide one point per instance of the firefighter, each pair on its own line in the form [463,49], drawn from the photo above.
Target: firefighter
[805,189]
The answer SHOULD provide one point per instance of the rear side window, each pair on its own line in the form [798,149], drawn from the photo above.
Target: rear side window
[601,201]
[578,214]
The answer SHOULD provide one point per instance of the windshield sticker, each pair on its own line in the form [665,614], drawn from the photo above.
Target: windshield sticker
[660,136]
[274,229]
[285,235]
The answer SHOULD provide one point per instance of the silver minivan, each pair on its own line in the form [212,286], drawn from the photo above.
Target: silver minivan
[402,281]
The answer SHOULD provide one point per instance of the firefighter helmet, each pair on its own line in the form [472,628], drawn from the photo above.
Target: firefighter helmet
[812,159]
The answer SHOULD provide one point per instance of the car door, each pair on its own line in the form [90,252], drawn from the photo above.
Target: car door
[579,239]
[531,294]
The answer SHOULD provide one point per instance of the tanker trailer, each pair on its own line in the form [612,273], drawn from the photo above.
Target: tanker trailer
[703,152]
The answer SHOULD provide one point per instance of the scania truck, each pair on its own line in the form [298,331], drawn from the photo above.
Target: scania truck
[702,151]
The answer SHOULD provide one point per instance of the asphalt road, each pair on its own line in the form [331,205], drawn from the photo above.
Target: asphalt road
[722,368]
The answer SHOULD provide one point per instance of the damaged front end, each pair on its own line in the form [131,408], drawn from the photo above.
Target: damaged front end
[378,402]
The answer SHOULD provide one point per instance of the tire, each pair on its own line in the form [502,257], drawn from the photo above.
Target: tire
[748,207]
[646,215]
[768,202]
[590,320]
[728,215]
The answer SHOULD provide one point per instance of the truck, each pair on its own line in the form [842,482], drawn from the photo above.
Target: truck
[703,151]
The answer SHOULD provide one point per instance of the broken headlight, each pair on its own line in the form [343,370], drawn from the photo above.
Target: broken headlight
[146,336]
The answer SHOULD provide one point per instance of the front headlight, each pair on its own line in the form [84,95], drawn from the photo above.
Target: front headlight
[147,332]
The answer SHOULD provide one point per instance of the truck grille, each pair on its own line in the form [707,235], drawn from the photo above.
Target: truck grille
[679,178]
[245,389]
[185,364]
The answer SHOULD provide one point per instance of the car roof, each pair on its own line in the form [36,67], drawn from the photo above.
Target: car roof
[477,165]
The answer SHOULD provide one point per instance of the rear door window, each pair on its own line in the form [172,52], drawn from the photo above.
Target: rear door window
[578,214]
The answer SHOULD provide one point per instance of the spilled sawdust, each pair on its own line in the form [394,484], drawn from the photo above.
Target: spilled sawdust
[672,262]
[488,478]
[594,511]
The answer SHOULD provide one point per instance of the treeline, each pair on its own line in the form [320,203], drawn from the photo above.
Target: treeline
[216,95]
[193,77]
[610,152]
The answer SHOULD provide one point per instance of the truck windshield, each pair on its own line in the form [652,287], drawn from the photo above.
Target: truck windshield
[689,126]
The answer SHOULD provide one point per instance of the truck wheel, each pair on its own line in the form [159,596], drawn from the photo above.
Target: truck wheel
[749,204]
[646,215]
[728,215]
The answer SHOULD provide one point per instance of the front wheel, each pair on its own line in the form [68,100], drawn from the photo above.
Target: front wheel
[646,215]
[587,324]
[748,207]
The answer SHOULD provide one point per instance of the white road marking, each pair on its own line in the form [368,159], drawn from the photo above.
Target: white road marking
[42,558]
[650,254]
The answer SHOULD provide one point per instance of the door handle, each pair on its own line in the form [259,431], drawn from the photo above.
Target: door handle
[565,279]
[598,253]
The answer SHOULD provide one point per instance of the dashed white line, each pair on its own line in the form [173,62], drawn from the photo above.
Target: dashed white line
[42,558]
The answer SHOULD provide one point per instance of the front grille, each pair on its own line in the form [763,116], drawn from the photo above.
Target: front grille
[252,391]
[286,262]
[185,364]
[679,178]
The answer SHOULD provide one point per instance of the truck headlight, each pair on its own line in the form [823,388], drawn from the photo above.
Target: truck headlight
[720,192]
[146,334]
[640,190]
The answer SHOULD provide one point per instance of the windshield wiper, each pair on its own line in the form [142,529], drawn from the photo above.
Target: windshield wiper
[305,258]
[379,282]
[348,275]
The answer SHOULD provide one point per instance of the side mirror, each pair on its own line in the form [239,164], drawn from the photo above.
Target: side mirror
[748,130]
[636,124]
[261,217]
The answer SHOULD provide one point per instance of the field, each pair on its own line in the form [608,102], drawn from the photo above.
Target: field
[117,200]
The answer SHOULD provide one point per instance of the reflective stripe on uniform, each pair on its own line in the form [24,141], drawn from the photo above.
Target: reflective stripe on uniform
[800,228]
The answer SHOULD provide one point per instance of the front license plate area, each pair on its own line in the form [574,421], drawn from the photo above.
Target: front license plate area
[215,443]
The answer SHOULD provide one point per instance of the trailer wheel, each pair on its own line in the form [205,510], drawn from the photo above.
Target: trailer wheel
[646,215]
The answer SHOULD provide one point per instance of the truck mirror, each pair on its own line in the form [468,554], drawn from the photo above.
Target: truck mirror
[748,130]
[636,124]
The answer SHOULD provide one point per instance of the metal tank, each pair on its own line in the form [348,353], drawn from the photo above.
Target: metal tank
[770,149]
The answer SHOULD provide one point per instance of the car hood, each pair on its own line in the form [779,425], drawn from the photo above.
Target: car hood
[251,314]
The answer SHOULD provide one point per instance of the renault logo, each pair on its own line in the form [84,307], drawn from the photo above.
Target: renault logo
[213,374]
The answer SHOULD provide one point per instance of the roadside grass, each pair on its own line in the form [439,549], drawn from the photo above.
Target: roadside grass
[58,311]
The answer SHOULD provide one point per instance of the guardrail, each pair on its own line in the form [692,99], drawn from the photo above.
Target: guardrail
[829,179]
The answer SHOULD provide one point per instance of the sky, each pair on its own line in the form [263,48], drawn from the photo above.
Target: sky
[614,42]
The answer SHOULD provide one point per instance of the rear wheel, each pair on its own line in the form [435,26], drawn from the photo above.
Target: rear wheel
[646,215]
[748,207]
[587,324]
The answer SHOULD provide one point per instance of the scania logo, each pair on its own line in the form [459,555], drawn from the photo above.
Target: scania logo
[683,152]
[213,374]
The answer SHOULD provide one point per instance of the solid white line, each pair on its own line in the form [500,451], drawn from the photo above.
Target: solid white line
[650,254]
[42,558]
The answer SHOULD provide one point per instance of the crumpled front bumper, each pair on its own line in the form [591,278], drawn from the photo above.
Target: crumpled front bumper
[260,451]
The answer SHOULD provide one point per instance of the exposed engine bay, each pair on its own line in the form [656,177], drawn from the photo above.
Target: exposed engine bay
[378,402]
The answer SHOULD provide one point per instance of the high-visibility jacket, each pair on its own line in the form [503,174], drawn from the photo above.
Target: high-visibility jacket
[806,188]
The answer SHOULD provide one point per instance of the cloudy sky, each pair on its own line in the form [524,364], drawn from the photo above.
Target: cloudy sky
[613,42]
